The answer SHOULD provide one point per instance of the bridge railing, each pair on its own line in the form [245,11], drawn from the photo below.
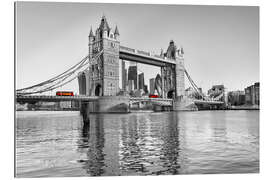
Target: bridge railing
[157,56]
[128,49]
[145,53]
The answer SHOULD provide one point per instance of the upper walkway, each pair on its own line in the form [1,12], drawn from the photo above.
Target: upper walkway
[144,57]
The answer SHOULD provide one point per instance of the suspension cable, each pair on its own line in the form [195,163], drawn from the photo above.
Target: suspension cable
[195,87]
[50,80]
[58,80]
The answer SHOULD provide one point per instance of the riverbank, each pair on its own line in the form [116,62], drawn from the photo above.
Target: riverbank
[245,107]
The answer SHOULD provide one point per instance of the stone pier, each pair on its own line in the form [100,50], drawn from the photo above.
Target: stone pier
[184,104]
[107,104]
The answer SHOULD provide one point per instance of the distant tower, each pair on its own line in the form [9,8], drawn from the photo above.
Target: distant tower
[132,75]
[141,81]
[152,85]
[124,76]
[104,71]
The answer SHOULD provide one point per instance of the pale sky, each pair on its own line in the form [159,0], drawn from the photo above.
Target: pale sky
[221,43]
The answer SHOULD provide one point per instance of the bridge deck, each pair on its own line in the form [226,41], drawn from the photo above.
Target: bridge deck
[208,102]
[94,98]
[143,57]
[56,98]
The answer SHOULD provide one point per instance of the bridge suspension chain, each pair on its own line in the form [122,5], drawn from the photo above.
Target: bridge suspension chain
[59,80]
[54,78]
[195,87]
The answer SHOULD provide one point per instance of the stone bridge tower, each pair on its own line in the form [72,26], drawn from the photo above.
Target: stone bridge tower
[104,71]
[177,75]
[174,75]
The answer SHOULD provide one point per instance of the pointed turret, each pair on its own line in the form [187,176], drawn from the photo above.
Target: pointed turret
[182,50]
[90,43]
[104,26]
[91,33]
[116,32]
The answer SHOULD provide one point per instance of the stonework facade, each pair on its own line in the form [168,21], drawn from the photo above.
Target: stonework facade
[174,76]
[104,70]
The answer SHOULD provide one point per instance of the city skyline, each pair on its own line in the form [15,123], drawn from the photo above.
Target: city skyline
[52,42]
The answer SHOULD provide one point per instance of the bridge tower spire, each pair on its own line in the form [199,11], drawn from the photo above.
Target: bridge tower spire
[116,33]
[90,43]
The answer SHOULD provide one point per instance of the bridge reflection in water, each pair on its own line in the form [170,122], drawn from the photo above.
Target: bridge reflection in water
[60,144]
[161,143]
[133,146]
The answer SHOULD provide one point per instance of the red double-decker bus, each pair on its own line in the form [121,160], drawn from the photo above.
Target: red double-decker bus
[64,93]
[153,96]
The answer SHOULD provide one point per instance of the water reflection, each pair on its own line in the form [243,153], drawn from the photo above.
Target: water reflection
[130,146]
[60,144]
[170,148]
[93,139]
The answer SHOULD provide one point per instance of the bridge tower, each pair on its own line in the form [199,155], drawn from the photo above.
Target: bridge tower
[104,71]
[177,77]
[180,73]
[174,75]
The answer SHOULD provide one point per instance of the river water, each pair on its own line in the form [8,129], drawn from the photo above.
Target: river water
[50,144]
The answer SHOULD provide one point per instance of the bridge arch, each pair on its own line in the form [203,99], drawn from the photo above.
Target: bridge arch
[170,94]
[98,90]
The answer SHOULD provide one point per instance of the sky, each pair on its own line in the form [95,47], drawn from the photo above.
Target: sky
[221,43]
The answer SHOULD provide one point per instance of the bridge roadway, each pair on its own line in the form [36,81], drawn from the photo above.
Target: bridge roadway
[48,98]
[144,57]
[80,98]
[160,101]
[198,101]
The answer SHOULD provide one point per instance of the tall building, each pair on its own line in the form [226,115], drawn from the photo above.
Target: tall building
[252,94]
[124,76]
[126,82]
[102,78]
[236,98]
[130,85]
[152,85]
[145,89]
[132,75]
[141,81]
[257,93]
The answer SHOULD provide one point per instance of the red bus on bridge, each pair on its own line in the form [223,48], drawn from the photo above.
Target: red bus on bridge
[153,96]
[64,93]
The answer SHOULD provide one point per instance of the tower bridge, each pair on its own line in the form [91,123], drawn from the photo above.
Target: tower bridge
[98,76]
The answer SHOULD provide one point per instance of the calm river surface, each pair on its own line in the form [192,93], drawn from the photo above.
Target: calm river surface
[58,144]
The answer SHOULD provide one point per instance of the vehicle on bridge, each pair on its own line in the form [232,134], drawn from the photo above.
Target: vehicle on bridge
[153,96]
[64,93]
